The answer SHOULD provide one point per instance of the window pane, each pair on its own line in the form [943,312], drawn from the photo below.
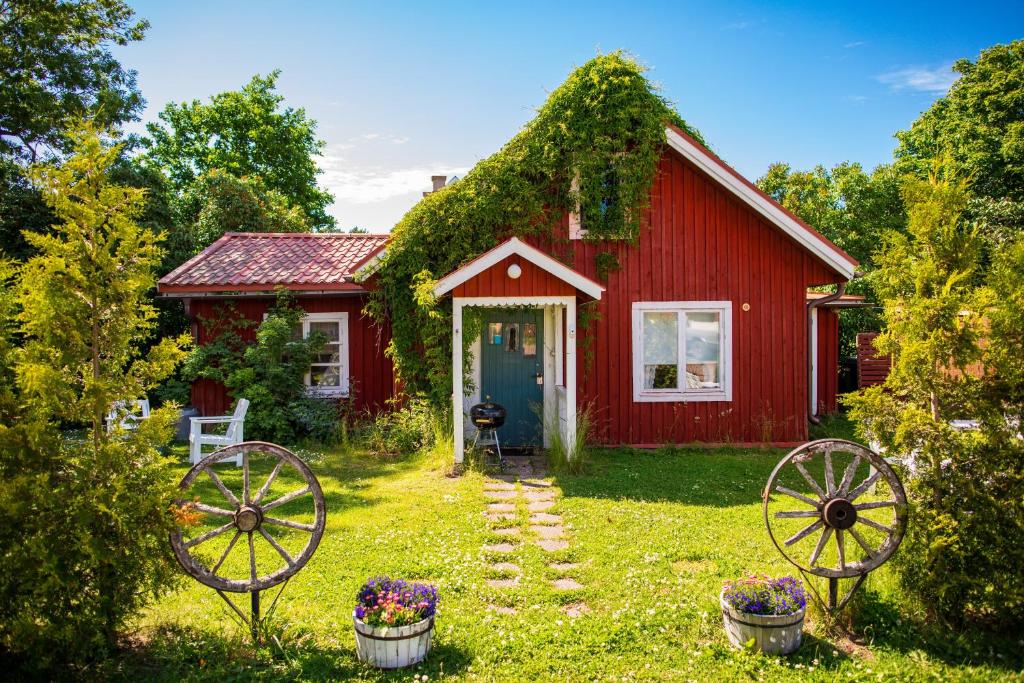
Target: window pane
[297,332]
[329,329]
[494,333]
[331,353]
[661,377]
[703,350]
[324,376]
[529,339]
[661,338]
[661,350]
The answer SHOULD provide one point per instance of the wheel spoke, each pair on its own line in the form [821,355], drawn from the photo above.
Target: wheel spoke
[863,544]
[810,480]
[270,480]
[825,535]
[245,478]
[227,550]
[875,525]
[848,475]
[277,547]
[806,531]
[841,549]
[791,514]
[252,559]
[830,479]
[289,523]
[876,504]
[798,496]
[208,535]
[211,510]
[220,485]
[286,498]
[865,485]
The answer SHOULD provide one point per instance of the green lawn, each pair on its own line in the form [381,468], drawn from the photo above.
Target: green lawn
[655,534]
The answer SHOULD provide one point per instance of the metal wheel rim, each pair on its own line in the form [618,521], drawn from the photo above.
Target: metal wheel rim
[846,490]
[251,500]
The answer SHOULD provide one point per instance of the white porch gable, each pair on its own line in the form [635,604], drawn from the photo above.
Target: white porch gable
[559,339]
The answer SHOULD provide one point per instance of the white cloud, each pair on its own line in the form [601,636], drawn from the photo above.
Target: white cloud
[919,78]
[737,26]
[355,184]
[856,43]
[855,99]
[381,137]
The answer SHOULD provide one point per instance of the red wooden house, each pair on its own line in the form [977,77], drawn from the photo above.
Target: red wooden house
[706,333]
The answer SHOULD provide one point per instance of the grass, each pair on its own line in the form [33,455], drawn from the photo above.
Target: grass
[655,534]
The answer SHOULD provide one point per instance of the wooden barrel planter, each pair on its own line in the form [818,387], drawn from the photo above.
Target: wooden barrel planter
[393,647]
[772,634]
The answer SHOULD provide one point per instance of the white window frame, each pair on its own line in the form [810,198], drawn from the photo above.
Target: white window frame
[342,318]
[722,393]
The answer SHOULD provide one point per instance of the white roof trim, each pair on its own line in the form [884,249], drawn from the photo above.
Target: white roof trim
[371,266]
[515,246]
[700,158]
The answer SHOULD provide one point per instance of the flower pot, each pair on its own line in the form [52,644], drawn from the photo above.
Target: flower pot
[393,647]
[772,634]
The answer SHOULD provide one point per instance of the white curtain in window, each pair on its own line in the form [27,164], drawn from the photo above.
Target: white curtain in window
[661,338]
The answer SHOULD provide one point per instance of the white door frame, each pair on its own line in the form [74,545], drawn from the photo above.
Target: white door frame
[559,396]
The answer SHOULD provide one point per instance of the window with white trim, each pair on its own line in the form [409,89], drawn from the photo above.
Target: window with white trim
[329,371]
[681,351]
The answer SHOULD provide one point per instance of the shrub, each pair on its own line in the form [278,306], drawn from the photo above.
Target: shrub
[321,418]
[269,372]
[385,602]
[762,595]
[404,431]
[83,521]
[955,330]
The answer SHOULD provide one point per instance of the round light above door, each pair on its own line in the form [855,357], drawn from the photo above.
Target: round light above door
[514,271]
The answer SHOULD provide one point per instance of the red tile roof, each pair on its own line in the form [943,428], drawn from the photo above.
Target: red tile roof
[261,262]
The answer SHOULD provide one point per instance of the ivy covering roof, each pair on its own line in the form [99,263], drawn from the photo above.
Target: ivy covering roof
[605,125]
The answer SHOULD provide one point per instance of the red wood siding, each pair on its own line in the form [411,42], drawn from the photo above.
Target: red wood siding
[872,368]
[828,361]
[372,374]
[495,282]
[699,243]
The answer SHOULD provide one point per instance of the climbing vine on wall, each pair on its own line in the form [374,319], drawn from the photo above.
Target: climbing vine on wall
[603,128]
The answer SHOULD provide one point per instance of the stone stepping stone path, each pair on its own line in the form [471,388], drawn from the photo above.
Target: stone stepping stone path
[567,584]
[507,494]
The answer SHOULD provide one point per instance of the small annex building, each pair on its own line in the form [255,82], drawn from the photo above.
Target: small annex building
[239,275]
[707,331]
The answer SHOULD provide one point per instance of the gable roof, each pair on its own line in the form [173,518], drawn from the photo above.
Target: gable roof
[261,262]
[515,246]
[803,234]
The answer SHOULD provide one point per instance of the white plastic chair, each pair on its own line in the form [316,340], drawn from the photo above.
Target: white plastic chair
[234,434]
[127,414]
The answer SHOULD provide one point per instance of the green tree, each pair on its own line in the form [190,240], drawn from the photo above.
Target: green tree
[947,315]
[83,521]
[245,133]
[218,202]
[852,208]
[55,66]
[978,126]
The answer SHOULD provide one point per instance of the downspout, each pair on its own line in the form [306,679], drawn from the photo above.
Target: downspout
[811,379]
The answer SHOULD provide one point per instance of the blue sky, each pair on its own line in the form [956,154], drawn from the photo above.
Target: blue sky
[405,90]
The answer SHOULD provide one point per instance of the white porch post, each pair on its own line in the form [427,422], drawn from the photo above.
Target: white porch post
[457,379]
[551,360]
[570,375]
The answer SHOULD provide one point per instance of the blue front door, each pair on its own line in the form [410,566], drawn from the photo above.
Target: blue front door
[512,371]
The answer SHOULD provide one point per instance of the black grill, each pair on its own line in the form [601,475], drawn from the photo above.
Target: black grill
[488,415]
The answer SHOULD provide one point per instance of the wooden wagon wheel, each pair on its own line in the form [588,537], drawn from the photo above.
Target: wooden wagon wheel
[249,514]
[832,511]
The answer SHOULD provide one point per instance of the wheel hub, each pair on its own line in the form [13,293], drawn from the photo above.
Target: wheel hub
[839,513]
[248,518]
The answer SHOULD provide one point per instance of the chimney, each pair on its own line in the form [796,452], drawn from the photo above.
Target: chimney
[438,182]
